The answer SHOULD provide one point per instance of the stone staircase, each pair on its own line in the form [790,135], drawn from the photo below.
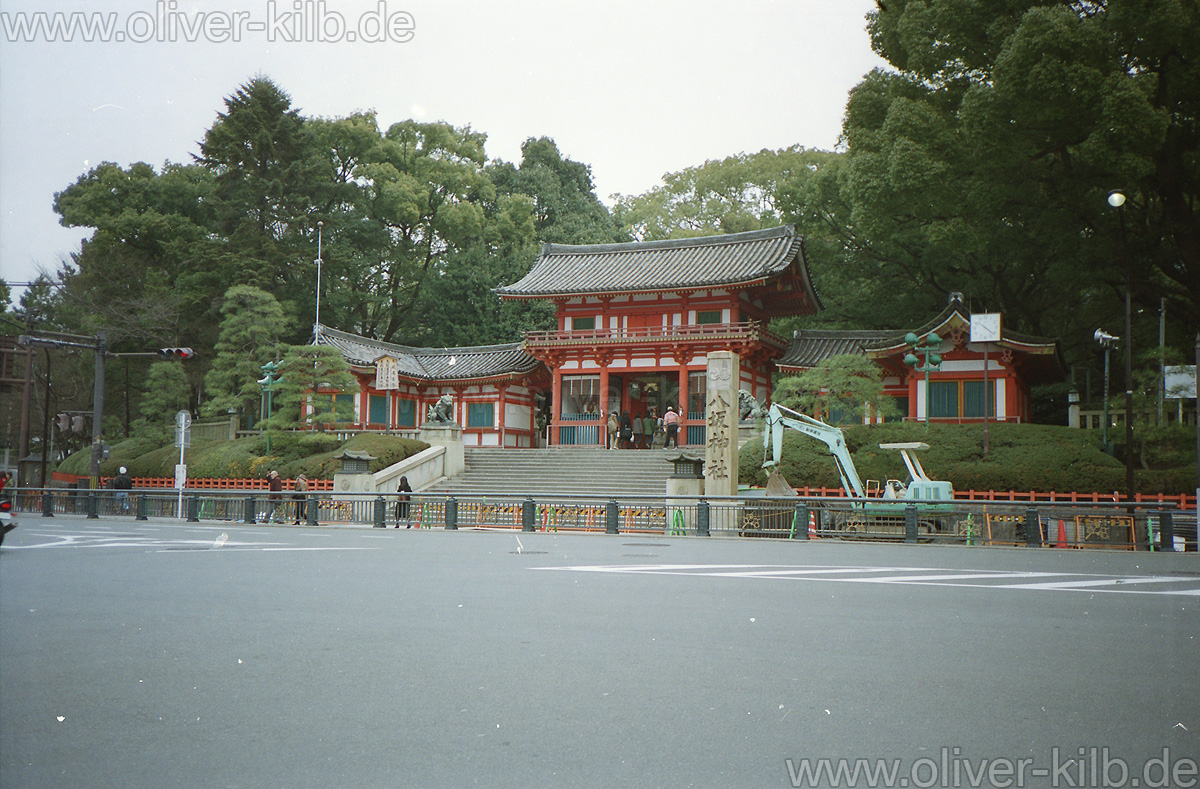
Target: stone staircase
[557,471]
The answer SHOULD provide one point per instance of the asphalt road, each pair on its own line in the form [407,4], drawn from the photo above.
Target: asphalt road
[164,654]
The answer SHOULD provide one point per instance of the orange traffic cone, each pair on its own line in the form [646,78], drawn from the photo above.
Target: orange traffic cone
[812,526]
[1062,535]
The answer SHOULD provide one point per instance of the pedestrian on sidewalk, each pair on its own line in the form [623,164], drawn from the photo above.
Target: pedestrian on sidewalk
[275,485]
[402,497]
[123,484]
[300,495]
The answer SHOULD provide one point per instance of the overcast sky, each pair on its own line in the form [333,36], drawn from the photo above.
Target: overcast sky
[633,89]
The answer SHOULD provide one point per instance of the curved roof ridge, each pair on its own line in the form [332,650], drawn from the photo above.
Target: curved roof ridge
[779,231]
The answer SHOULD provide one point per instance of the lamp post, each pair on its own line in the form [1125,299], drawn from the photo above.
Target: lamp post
[1106,340]
[1116,199]
[317,317]
[267,382]
[928,346]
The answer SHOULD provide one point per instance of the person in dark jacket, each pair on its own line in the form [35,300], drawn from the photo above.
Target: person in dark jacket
[275,485]
[402,497]
[626,430]
[122,485]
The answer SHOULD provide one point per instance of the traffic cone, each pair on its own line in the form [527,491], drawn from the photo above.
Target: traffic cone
[812,526]
[1062,535]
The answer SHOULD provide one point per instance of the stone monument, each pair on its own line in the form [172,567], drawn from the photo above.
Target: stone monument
[722,414]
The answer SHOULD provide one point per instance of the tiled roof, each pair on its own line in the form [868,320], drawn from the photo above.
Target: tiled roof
[441,364]
[685,263]
[811,346]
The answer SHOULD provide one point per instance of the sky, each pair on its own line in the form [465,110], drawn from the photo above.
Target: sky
[632,89]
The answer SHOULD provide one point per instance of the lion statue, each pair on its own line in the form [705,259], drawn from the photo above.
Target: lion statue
[442,410]
[748,406]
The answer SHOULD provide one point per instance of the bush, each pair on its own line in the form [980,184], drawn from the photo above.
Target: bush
[313,454]
[1020,457]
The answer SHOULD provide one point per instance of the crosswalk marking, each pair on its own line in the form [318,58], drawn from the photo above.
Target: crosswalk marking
[922,576]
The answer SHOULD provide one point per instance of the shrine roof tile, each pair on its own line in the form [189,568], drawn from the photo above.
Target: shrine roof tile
[684,263]
[479,361]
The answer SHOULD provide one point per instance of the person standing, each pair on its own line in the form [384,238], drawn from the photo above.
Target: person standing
[614,428]
[626,430]
[275,485]
[300,494]
[637,432]
[403,492]
[122,485]
[648,422]
[671,422]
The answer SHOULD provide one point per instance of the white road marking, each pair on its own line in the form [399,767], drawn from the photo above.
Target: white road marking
[915,576]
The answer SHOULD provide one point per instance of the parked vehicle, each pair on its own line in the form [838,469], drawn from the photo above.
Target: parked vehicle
[8,520]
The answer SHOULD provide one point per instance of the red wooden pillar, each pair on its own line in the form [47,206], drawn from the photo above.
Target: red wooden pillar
[683,402]
[556,405]
[603,432]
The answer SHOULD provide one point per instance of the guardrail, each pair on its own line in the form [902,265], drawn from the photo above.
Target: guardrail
[968,523]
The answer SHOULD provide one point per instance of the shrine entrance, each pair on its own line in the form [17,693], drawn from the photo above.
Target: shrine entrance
[651,393]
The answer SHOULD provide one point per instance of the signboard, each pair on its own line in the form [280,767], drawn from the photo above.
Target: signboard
[183,432]
[1180,382]
[180,475]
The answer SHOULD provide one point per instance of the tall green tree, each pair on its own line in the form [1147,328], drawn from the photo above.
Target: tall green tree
[982,161]
[251,332]
[730,195]
[259,153]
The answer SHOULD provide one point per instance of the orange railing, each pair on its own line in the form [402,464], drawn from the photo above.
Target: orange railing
[703,331]
[1183,501]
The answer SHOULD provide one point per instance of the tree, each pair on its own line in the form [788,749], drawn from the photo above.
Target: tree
[166,393]
[731,195]
[259,152]
[839,389]
[249,338]
[566,208]
[982,163]
[304,370]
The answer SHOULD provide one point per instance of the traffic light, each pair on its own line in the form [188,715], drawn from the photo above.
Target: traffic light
[175,353]
[79,423]
[64,422]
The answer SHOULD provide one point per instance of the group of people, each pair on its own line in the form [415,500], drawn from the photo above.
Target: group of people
[639,431]
[275,496]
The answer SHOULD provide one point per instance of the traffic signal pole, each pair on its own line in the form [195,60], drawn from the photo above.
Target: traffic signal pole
[98,408]
[99,344]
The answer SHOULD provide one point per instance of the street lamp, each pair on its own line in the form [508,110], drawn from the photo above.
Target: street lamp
[317,317]
[1116,199]
[1106,340]
[267,382]
[930,347]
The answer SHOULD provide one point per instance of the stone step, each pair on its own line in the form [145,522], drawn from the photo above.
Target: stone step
[560,471]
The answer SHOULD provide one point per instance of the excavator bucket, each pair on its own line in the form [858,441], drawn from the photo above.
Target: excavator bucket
[777,486]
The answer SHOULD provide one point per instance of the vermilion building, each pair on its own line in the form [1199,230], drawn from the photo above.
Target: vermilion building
[957,390]
[636,320]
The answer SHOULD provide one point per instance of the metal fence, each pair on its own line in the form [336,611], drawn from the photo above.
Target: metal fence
[968,523]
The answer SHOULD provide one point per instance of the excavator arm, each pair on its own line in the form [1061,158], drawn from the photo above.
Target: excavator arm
[780,417]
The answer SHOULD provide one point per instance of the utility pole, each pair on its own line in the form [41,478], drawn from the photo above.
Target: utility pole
[98,409]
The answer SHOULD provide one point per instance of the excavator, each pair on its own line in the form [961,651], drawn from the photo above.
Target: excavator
[878,514]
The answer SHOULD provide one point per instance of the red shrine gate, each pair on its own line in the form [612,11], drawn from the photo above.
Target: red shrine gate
[636,321]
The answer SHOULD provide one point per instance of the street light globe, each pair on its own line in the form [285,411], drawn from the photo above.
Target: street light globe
[1116,198]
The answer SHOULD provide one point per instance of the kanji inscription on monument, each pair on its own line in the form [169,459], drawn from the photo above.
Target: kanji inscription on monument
[721,418]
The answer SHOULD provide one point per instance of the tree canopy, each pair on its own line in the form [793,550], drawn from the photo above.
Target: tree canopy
[981,163]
